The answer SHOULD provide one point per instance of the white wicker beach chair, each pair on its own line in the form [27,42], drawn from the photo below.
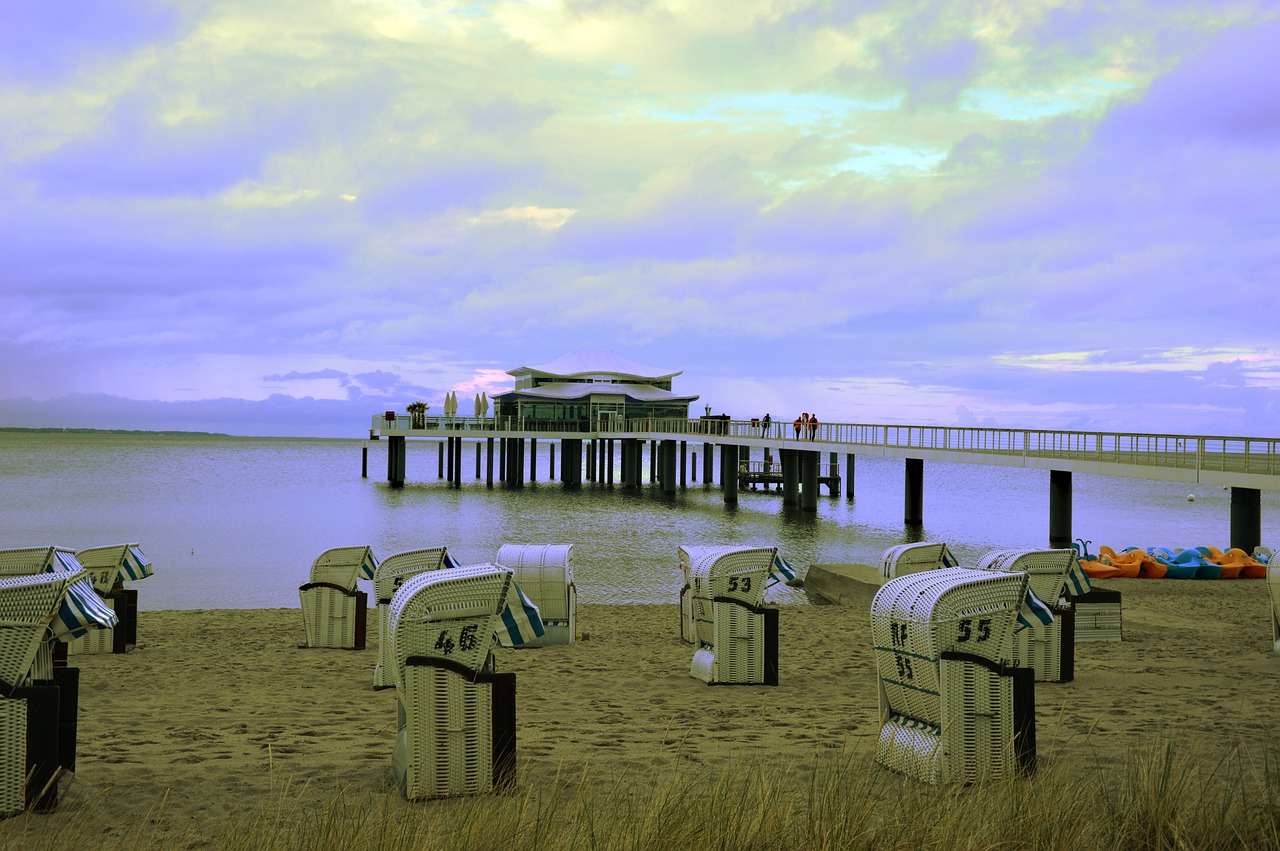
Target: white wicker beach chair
[109,567]
[545,573]
[949,709]
[737,637]
[37,709]
[1048,649]
[456,733]
[334,610]
[1273,587]
[394,571]
[913,558]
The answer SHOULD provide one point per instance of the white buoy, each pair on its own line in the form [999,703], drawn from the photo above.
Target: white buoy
[1191,497]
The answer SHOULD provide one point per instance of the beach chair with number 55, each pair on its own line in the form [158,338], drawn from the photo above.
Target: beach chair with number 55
[951,710]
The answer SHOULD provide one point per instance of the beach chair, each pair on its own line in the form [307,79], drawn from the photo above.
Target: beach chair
[387,579]
[1097,616]
[950,709]
[109,567]
[1273,589]
[456,730]
[737,636]
[913,558]
[545,573]
[334,610]
[38,709]
[1046,645]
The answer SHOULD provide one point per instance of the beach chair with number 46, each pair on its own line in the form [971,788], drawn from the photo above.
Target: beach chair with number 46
[456,731]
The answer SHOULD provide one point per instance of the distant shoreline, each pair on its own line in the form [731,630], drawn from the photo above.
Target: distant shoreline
[55,430]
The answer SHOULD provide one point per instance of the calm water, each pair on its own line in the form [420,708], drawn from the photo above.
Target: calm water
[236,522]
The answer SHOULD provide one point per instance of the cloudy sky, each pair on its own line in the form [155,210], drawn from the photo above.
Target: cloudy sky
[284,217]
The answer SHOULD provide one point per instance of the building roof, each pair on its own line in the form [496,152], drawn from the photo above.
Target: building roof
[583,362]
[570,391]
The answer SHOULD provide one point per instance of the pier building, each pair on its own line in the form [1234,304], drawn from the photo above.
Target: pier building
[589,387]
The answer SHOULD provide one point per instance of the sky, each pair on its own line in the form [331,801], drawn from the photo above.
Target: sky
[284,218]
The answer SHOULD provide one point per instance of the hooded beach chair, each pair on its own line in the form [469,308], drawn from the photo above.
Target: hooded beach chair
[334,610]
[913,558]
[736,635]
[950,709]
[456,730]
[387,579]
[1045,640]
[109,567]
[545,573]
[38,708]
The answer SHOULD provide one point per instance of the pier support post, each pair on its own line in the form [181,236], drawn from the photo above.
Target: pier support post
[395,461]
[790,476]
[551,461]
[848,477]
[684,447]
[488,462]
[653,461]
[608,467]
[477,460]
[1246,518]
[668,466]
[457,462]
[809,463]
[729,472]
[708,458]
[364,462]
[440,460]
[833,486]
[1059,509]
[533,459]
[913,493]
[502,459]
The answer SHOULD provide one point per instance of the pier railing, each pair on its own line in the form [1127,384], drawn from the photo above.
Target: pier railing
[1248,455]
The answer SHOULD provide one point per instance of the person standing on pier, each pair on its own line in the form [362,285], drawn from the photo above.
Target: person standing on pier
[813,427]
[764,425]
[798,423]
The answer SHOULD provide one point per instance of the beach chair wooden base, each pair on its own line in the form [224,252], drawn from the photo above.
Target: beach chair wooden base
[1047,650]
[29,739]
[333,616]
[987,728]
[1098,616]
[459,730]
[746,647]
[68,682]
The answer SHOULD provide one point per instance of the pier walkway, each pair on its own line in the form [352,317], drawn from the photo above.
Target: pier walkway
[1247,465]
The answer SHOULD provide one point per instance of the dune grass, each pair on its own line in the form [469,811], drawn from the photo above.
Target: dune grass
[1165,797]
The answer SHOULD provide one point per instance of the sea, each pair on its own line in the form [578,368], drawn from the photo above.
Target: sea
[235,522]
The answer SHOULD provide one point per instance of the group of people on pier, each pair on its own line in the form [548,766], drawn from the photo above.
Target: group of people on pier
[806,425]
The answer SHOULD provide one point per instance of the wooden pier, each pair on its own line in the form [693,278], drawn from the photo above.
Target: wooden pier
[588,451]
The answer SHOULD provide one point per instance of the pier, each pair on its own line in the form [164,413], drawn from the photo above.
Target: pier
[793,465]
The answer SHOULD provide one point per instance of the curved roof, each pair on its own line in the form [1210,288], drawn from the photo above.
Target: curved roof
[569,391]
[583,362]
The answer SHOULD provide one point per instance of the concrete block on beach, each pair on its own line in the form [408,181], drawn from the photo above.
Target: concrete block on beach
[844,584]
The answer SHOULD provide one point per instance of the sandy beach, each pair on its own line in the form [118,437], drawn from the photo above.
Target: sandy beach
[215,709]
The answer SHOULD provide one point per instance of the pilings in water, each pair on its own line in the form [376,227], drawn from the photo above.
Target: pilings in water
[913,493]
[395,461]
[1060,509]
[1246,518]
